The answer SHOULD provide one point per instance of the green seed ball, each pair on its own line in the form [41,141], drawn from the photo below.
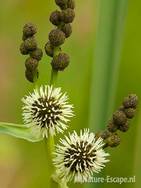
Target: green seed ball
[30,44]
[67,29]
[49,49]
[71,4]
[68,15]
[29,30]
[23,49]
[56,37]
[37,54]
[119,118]
[60,61]
[31,64]
[61,4]
[131,101]
[55,18]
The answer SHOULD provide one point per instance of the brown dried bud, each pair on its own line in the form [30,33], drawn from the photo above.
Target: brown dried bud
[130,112]
[60,62]
[55,17]
[30,44]
[119,118]
[49,49]
[37,54]
[23,49]
[68,15]
[124,127]
[56,37]
[61,4]
[67,29]
[113,140]
[71,4]
[29,30]
[31,64]
[131,101]
[112,127]
[31,76]
[104,134]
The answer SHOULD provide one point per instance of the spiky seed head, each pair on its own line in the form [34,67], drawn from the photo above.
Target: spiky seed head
[60,61]
[29,30]
[79,156]
[67,29]
[119,118]
[47,110]
[30,44]
[131,101]
[31,64]
[56,37]
[37,54]
[68,15]
[49,49]
[55,18]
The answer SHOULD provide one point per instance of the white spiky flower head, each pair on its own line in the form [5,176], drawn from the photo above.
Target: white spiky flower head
[79,156]
[47,110]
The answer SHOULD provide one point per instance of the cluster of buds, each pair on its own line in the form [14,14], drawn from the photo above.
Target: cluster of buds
[120,121]
[62,20]
[29,47]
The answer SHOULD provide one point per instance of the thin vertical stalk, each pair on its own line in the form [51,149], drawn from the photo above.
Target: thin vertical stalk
[105,67]
[106,60]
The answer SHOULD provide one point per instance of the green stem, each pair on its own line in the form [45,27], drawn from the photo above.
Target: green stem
[54,75]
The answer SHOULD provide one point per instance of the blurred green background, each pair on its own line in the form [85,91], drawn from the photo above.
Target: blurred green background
[23,164]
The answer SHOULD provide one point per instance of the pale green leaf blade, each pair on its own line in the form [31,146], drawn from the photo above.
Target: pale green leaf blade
[20,131]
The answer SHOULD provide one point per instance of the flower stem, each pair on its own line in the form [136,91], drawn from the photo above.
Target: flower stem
[54,75]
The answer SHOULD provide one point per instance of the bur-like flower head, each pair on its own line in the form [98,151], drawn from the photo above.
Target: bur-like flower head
[79,156]
[47,110]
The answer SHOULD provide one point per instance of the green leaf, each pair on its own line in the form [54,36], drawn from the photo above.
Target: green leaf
[105,69]
[20,131]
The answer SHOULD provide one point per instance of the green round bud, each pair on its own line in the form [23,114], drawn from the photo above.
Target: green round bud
[37,54]
[29,30]
[61,3]
[49,49]
[55,17]
[23,49]
[60,61]
[119,118]
[131,101]
[31,76]
[67,29]
[71,4]
[124,127]
[130,112]
[68,15]
[31,64]
[56,37]
[30,44]
[113,140]
[112,127]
